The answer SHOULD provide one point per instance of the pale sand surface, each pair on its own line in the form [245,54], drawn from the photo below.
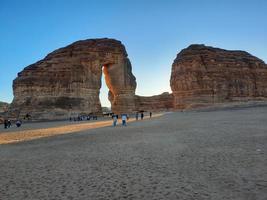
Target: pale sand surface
[47,124]
[184,155]
[48,129]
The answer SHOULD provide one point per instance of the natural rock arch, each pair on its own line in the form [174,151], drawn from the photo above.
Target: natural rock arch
[68,80]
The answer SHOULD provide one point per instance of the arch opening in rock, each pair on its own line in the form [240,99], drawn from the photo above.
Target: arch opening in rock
[105,90]
[68,80]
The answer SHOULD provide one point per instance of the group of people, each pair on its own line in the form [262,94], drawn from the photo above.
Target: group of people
[142,115]
[125,117]
[8,124]
[83,118]
[115,117]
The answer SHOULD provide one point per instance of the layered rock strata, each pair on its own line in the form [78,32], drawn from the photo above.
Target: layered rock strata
[203,75]
[67,81]
[162,102]
[3,111]
[3,107]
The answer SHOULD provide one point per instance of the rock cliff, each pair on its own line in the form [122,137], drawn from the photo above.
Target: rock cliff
[67,81]
[204,75]
[162,102]
[3,107]
[3,111]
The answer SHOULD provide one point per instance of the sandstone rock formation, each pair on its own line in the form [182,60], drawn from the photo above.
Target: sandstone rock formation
[67,81]
[204,75]
[162,102]
[3,107]
[3,111]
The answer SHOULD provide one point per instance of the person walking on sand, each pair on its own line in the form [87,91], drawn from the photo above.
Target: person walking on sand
[18,123]
[136,116]
[142,115]
[9,123]
[150,114]
[115,119]
[123,119]
[5,123]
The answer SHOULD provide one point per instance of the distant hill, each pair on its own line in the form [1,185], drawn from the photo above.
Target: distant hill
[3,106]
[106,109]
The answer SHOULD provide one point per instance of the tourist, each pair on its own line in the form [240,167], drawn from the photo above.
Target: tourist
[123,119]
[9,123]
[150,114]
[18,123]
[5,123]
[27,116]
[142,115]
[136,116]
[115,119]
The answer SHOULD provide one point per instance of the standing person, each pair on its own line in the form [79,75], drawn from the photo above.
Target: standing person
[136,116]
[115,119]
[18,123]
[142,115]
[9,123]
[123,119]
[150,114]
[5,123]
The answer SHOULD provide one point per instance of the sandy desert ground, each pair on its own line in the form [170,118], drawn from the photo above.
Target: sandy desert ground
[37,130]
[183,155]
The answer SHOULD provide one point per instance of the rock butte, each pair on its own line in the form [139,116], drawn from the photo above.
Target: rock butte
[203,75]
[68,80]
[3,110]
[3,106]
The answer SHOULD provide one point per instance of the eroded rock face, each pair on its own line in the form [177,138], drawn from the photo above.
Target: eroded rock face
[162,102]
[3,111]
[203,75]
[67,81]
[3,107]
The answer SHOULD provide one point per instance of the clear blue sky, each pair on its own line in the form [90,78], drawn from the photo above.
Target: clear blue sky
[153,31]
